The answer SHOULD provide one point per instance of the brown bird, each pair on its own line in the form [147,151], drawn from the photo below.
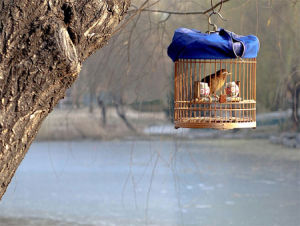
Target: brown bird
[216,80]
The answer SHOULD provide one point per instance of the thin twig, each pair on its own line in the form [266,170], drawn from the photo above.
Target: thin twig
[131,17]
[178,12]
[146,9]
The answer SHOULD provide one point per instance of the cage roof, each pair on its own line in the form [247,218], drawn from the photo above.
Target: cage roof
[223,44]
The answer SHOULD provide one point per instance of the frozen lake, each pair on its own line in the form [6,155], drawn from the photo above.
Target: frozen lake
[151,183]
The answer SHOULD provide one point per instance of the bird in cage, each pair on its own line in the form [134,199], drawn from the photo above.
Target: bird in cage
[216,80]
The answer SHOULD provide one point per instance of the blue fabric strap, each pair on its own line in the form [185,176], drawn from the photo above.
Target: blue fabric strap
[192,44]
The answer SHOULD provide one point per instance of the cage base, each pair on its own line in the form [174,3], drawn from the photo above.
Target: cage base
[215,123]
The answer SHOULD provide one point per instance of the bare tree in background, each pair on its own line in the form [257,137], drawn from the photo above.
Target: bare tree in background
[135,64]
[293,88]
[286,51]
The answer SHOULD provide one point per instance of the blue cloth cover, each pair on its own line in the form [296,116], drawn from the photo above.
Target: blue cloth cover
[192,44]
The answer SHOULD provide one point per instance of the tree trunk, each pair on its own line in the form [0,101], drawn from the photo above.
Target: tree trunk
[295,107]
[102,107]
[121,113]
[42,47]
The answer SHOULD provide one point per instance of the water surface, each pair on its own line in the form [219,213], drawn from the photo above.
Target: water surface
[168,183]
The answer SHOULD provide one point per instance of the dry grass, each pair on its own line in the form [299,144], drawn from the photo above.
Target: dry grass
[80,124]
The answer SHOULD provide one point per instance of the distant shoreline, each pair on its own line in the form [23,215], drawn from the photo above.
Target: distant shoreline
[80,124]
[32,221]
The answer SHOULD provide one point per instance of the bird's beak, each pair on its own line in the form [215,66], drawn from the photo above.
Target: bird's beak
[229,73]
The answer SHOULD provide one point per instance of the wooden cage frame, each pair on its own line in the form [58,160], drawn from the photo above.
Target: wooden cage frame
[229,114]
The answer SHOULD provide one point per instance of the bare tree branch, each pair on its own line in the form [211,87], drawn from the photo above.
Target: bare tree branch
[178,12]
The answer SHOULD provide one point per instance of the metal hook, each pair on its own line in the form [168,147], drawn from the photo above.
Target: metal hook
[215,27]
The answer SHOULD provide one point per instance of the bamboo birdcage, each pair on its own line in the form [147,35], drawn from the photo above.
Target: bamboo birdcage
[218,113]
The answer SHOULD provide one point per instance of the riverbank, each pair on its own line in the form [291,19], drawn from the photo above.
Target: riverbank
[30,221]
[64,124]
[80,124]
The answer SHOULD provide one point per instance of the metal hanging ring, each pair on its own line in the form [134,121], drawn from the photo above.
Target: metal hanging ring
[213,7]
[220,6]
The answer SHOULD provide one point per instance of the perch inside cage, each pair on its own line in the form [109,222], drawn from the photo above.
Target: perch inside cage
[215,79]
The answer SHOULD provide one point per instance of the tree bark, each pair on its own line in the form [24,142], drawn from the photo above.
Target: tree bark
[42,47]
